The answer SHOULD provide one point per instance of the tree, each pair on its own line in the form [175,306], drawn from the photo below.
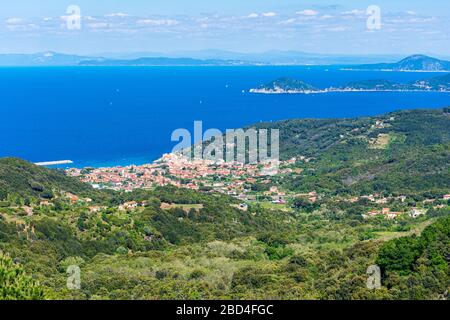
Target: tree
[399,255]
[304,204]
[15,284]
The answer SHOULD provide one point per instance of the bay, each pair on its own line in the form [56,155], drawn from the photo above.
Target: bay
[106,116]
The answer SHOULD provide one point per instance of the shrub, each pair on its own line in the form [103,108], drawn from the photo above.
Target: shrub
[36,186]
[15,284]
[121,250]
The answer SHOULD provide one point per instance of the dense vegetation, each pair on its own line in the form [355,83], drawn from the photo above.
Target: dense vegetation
[184,244]
[18,177]
[418,267]
[15,284]
[221,252]
[406,152]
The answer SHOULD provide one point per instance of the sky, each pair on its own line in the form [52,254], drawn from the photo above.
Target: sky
[319,26]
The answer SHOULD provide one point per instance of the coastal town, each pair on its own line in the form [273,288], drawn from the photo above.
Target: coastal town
[238,180]
[231,178]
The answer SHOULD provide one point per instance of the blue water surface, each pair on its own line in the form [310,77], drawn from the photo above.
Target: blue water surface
[104,116]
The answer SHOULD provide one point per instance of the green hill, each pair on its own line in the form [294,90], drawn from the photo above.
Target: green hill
[201,246]
[440,83]
[416,62]
[28,180]
[405,151]
[294,86]
[285,85]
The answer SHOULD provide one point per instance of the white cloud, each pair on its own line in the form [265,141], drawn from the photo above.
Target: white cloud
[158,22]
[14,21]
[22,27]
[337,29]
[269,14]
[355,12]
[253,15]
[99,25]
[308,12]
[65,18]
[288,21]
[117,14]
[413,13]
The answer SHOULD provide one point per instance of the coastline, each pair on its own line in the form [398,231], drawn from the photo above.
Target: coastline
[391,70]
[281,91]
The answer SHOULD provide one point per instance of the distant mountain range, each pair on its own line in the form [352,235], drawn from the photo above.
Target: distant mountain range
[273,57]
[41,59]
[413,63]
[226,58]
[295,86]
[162,61]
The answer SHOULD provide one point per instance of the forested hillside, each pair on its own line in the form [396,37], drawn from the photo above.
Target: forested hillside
[401,152]
[175,243]
[19,177]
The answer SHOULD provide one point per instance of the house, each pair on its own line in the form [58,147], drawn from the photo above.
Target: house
[382,201]
[274,189]
[446,197]
[369,215]
[416,212]
[278,199]
[128,206]
[385,212]
[95,209]
[369,197]
[73,198]
[28,210]
[389,214]
[242,206]
[352,200]
[393,215]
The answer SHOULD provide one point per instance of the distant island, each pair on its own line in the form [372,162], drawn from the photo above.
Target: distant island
[191,58]
[52,59]
[414,63]
[225,58]
[295,86]
[286,85]
[163,61]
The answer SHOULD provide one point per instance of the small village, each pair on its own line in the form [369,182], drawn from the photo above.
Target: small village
[231,178]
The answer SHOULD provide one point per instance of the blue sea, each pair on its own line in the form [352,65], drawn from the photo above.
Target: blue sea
[105,116]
